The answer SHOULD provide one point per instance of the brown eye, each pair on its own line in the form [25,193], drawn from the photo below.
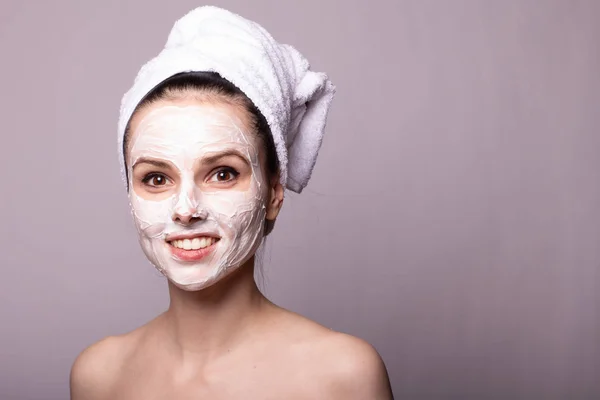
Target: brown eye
[224,175]
[155,180]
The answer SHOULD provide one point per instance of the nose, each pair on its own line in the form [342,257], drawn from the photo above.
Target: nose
[186,210]
[186,219]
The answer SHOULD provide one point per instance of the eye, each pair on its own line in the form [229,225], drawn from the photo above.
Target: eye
[155,179]
[223,175]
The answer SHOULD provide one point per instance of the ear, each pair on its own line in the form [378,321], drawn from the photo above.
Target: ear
[275,200]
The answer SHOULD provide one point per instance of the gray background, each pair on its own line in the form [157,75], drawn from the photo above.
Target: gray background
[452,219]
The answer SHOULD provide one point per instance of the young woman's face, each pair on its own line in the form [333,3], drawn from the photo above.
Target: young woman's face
[197,191]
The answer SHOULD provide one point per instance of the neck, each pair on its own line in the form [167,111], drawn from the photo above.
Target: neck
[214,319]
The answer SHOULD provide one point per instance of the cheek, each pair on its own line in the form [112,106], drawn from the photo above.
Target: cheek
[236,211]
[151,217]
[228,204]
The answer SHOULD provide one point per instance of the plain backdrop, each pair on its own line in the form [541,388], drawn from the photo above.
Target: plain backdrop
[452,221]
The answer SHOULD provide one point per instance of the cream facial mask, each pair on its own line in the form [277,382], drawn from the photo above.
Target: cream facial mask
[193,227]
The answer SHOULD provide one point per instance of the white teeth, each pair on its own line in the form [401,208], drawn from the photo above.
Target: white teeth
[193,244]
[196,243]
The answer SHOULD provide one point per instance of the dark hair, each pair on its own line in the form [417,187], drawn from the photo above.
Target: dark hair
[211,84]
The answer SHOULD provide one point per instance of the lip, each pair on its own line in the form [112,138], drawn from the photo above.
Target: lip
[191,255]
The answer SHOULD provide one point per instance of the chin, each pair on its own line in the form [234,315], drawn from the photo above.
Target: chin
[193,287]
[200,281]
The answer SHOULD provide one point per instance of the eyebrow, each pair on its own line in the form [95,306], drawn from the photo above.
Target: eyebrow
[212,159]
[151,161]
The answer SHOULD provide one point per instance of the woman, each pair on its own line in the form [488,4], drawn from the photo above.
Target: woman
[211,132]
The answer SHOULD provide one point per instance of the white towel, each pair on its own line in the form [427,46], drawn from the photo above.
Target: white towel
[276,77]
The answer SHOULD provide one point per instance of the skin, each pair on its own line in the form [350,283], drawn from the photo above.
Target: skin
[228,341]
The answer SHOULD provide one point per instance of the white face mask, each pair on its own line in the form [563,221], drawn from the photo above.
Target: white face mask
[223,220]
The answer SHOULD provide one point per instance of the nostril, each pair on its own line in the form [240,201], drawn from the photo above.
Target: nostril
[194,220]
[187,219]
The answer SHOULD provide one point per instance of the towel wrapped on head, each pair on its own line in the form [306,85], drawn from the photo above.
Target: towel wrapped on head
[293,99]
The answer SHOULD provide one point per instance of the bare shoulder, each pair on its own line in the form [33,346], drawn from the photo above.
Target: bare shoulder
[345,366]
[96,369]
[355,369]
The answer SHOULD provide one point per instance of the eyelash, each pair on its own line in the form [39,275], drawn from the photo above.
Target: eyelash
[152,175]
[148,178]
[232,171]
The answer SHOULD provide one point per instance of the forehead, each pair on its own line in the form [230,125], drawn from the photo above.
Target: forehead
[187,124]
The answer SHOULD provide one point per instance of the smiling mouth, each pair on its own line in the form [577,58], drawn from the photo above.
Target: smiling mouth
[197,243]
[192,249]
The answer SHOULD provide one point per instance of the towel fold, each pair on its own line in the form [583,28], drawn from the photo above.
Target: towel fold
[294,100]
